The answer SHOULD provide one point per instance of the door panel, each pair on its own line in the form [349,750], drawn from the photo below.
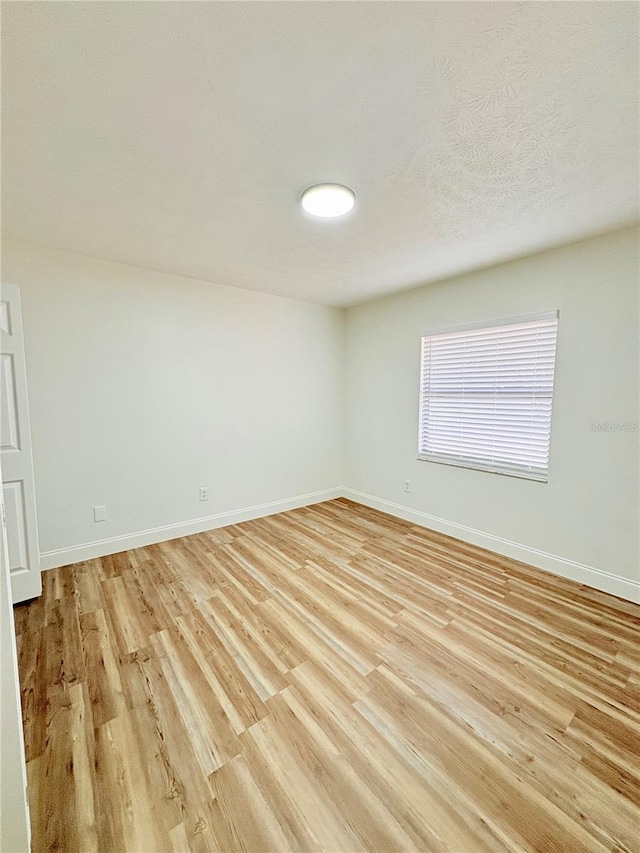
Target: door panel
[5,316]
[9,423]
[15,451]
[16,521]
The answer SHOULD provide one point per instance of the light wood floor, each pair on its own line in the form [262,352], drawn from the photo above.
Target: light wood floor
[328,679]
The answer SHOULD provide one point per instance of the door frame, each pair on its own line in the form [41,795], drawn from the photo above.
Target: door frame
[15,826]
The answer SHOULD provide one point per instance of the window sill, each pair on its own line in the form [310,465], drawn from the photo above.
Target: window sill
[478,466]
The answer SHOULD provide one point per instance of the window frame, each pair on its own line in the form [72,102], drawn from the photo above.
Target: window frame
[470,463]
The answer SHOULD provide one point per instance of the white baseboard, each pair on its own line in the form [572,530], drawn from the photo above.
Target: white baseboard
[604,581]
[102,547]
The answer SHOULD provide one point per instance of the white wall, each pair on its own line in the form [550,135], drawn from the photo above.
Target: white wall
[143,387]
[587,514]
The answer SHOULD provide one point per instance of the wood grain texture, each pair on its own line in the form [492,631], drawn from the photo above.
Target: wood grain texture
[328,679]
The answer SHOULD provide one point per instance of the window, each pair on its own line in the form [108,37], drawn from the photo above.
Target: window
[486,395]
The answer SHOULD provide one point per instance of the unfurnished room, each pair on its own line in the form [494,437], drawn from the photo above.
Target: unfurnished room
[320,408]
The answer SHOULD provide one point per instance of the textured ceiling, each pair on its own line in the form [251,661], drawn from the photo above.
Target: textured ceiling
[178,136]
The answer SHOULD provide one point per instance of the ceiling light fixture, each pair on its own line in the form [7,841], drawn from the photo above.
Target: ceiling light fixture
[328,200]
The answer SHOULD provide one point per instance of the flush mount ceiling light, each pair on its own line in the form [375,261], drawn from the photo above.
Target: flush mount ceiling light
[327,200]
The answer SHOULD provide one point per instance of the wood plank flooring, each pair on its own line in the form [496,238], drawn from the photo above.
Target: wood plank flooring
[328,679]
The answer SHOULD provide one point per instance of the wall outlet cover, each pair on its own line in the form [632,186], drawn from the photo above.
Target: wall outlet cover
[99,513]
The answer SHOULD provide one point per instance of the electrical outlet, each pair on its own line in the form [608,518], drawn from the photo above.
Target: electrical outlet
[407,485]
[99,513]
[204,493]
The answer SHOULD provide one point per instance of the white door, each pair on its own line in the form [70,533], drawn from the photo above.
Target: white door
[15,449]
[15,832]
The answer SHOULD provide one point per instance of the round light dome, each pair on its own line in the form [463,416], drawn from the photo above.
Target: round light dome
[328,200]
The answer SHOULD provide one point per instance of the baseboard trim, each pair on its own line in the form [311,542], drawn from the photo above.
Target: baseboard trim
[587,575]
[102,547]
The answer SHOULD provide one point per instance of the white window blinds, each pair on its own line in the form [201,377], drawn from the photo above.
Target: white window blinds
[486,395]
